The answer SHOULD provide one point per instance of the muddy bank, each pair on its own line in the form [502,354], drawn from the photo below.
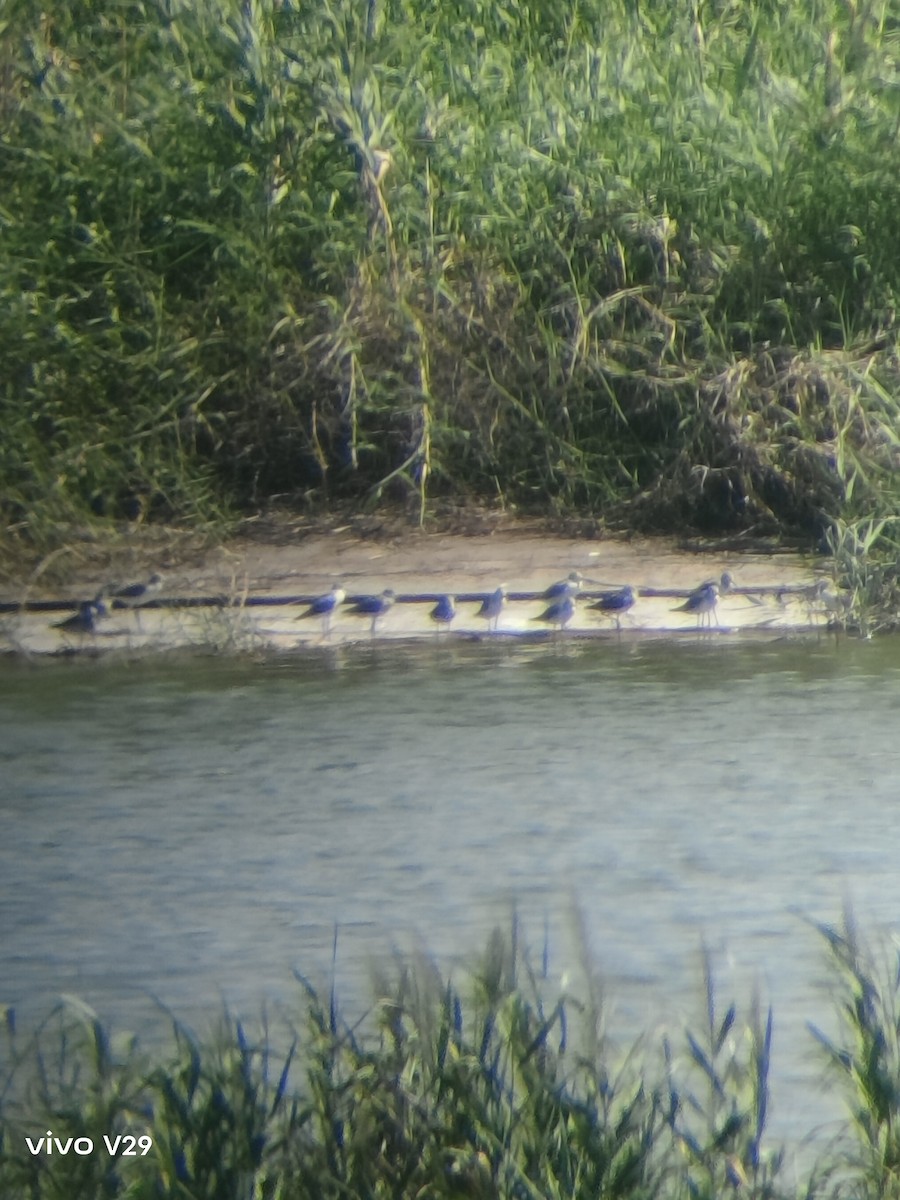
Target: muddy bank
[247,579]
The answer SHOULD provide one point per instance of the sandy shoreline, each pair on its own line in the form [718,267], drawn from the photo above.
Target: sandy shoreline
[416,565]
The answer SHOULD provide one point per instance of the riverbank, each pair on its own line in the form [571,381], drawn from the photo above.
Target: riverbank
[247,593]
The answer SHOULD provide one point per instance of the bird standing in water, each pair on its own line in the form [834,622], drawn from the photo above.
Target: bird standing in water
[702,602]
[559,613]
[492,606]
[84,621]
[615,604]
[836,606]
[570,586]
[443,612]
[137,594]
[373,606]
[325,607]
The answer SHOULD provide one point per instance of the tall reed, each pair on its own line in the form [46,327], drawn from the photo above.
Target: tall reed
[492,1087]
[419,251]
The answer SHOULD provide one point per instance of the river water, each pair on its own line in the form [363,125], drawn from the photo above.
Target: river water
[192,831]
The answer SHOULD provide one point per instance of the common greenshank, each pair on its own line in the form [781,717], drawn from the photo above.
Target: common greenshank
[615,604]
[559,613]
[84,621]
[492,606]
[373,606]
[570,586]
[443,612]
[836,605]
[135,595]
[702,602]
[325,607]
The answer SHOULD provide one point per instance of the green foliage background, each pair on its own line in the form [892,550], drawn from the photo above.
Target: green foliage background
[616,256]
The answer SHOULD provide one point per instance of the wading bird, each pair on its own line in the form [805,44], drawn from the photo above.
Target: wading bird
[559,613]
[702,602]
[725,584]
[325,607]
[373,606]
[443,612]
[84,621]
[836,605]
[570,586]
[137,594]
[615,604]
[492,606]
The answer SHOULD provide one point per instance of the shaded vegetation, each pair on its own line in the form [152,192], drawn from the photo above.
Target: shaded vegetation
[632,259]
[489,1093]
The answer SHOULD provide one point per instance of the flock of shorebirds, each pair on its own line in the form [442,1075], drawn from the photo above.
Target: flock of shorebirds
[561,604]
[134,595]
[560,597]
[561,600]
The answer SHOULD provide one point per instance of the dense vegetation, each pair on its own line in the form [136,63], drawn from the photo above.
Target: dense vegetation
[495,1095]
[631,258]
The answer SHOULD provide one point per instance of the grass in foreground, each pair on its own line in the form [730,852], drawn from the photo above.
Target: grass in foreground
[497,1094]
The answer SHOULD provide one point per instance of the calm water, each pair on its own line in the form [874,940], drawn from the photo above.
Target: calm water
[196,830]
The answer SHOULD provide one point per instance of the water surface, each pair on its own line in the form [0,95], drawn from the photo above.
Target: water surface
[196,829]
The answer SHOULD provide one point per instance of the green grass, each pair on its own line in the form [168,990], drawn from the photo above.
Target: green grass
[621,258]
[487,1090]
